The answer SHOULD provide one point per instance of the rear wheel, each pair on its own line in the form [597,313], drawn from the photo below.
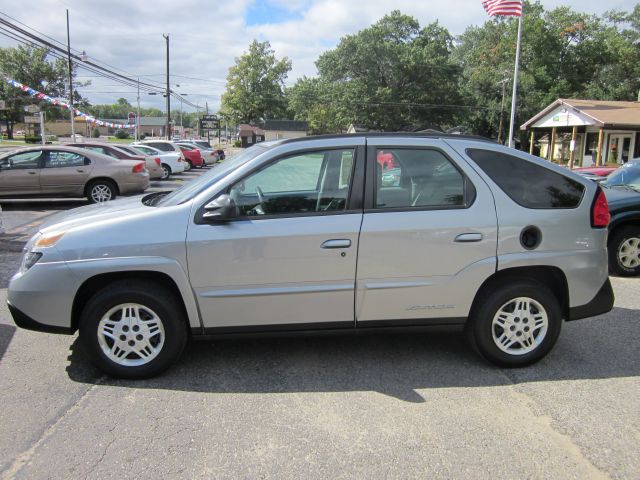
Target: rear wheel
[101,191]
[624,251]
[133,329]
[516,324]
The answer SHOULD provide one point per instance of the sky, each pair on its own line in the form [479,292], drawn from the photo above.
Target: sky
[206,36]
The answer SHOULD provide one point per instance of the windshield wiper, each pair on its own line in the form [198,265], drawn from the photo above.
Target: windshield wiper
[152,199]
[622,185]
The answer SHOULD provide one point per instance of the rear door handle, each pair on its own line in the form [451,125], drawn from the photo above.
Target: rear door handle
[468,237]
[337,243]
[80,170]
[33,173]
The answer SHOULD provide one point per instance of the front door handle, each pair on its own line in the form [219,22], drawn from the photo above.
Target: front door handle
[337,243]
[469,237]
[80,170]
[33,173]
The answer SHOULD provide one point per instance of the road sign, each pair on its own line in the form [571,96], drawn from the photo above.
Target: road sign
[209,124]
[208,118]
[32,119]
[3,105]
[32,108]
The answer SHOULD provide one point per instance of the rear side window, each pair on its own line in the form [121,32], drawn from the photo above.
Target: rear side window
[165,147]
[528,184]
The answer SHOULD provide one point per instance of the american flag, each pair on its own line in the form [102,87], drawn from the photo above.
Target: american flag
[503,7]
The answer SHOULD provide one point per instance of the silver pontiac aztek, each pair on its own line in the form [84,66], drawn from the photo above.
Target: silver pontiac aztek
[338,233]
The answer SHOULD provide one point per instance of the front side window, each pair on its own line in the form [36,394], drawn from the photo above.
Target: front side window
[526,183]
[417,178]
[59,159]
[22,161]
[302,183]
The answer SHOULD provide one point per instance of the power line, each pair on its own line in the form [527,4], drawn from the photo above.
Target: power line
[87,65]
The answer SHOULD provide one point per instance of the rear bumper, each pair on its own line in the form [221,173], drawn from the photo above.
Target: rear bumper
[137,186]
[601,303]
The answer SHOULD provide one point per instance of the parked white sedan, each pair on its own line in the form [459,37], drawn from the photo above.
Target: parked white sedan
[170,162]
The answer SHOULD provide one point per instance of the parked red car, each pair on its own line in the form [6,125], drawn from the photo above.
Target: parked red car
[598,171]
[192,156]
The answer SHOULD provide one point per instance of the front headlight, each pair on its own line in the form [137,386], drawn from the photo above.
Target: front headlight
[29,260]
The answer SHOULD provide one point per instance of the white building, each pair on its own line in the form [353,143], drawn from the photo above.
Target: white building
[586,132]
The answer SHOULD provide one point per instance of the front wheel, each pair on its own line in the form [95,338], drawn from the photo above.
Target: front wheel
[624,252]
[516,323]
[133,329]
[101,191]
[187,165]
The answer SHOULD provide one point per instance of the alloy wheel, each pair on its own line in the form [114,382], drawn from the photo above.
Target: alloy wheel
[629,253]
[131,334]
[519,326]
[101,193]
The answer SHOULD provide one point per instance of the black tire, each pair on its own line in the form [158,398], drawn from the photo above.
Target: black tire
[624,255]
[166,171]
[187,165]
[481,329]
[99,191]
[151,297]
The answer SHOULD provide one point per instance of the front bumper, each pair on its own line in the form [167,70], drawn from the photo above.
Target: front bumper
[601,303]
[23,320]
[42,298]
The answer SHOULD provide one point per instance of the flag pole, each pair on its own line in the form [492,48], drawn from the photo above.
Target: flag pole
[515,83]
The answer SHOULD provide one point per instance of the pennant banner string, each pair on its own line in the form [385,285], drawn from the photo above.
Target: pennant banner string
[54,101]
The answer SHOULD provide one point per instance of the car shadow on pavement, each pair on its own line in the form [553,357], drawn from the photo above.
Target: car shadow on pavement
[398,365]
[6,335]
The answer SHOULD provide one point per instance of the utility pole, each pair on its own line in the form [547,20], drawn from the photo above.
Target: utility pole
[138,113]
[206,106]
[73,130]
[42,137]
[166,37]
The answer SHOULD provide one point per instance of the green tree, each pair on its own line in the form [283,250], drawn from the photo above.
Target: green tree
[312,100]
[118,110]
[255,85]
[392,75]
[565,54]
[32,67]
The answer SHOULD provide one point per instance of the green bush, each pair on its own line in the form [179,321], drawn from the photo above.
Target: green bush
[95,133]
[237,143]
[32,139]
[122,134]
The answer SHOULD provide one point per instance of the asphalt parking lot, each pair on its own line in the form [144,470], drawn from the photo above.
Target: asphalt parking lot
[392,406]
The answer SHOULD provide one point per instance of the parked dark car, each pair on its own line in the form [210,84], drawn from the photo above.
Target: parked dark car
[624,230]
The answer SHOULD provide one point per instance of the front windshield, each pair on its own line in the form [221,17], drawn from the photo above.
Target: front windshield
[627,176]
[194,187]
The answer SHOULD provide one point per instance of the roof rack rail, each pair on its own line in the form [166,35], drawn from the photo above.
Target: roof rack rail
[388,134]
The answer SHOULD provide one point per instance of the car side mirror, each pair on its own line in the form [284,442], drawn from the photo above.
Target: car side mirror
[220,209]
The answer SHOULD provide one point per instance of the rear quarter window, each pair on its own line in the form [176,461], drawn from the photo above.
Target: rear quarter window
[528,184]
